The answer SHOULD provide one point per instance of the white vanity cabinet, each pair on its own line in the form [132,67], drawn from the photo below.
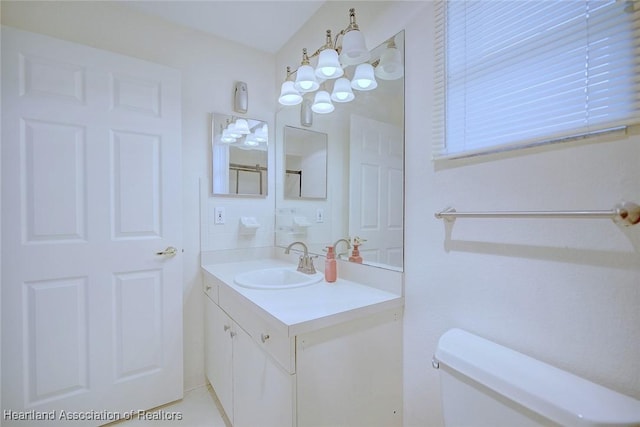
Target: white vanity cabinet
[219,332]
[339,370]
[252,388]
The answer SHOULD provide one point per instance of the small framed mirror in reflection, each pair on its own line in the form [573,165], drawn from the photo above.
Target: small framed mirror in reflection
[239,156]
[305,160]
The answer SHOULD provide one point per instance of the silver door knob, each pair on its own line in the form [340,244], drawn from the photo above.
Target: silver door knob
[169,252]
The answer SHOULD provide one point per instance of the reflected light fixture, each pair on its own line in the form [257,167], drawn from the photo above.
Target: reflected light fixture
[232,131]
[390,66]
[242,132]
[339,57]
[262,133]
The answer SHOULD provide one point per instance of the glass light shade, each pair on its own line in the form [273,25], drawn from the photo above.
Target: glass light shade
[242,127]
[262,133]
[322,103]
[289,95]
[251,141]
[342,91]
[226,138]
[328,65]
[390,66]
[354,50]
[306,79]
[232,131]
[363,78]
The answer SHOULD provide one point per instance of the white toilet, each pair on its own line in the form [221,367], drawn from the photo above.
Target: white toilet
[487,385]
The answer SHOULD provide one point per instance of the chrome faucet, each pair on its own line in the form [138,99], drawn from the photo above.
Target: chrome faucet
[335,247]
[305,263]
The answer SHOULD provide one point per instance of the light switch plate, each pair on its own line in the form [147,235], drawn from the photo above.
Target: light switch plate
[320,215]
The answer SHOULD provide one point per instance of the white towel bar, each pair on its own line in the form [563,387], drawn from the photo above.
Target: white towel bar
[624,213]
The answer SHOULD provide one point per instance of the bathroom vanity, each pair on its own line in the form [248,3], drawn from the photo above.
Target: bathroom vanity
[318,355]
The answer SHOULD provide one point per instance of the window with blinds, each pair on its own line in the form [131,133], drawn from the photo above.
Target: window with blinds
[519,73]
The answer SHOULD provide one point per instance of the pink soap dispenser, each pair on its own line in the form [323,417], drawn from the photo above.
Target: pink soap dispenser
[330,267]
[355,253]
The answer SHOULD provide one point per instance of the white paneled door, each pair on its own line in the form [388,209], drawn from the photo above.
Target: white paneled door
[91,193]
[376,186]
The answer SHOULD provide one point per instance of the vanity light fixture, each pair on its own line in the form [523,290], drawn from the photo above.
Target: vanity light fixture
[306,77]
[342,90]
[288,93]
[328,63]
[338,57]
[364,78]
[322,103]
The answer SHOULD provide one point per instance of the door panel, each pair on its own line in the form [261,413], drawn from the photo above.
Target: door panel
[136,183]
[56,324]
[91,191]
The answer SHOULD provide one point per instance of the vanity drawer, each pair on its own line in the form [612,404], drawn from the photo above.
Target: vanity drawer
[210,287]
[271,335]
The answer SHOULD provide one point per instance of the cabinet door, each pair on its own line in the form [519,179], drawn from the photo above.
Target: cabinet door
[219,354]
[263,392]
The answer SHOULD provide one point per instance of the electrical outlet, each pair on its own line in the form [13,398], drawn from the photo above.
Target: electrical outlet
[220,215]
[320,215]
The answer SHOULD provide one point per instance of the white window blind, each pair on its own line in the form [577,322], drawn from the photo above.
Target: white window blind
[517,73]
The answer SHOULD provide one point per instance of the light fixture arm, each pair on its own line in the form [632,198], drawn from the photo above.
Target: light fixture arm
[290,73]
[327,45]
[305,57]
[329,42]
[352,26]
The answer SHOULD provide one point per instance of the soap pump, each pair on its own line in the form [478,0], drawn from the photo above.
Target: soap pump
[330,267]
[355,253]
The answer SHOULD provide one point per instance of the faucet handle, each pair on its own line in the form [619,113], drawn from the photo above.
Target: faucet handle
[309,267]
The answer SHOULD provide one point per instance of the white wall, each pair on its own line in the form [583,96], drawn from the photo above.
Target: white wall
[564,291]
[208,76]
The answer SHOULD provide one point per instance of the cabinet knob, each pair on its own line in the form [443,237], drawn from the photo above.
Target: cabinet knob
[208,288]
[264,337]
[226,328]
[232,334]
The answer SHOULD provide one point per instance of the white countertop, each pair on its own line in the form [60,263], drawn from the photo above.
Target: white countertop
[310,307]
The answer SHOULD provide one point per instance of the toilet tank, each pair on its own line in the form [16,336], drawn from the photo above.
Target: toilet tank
[486,384]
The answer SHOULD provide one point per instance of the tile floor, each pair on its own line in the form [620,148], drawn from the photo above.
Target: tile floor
[198,408]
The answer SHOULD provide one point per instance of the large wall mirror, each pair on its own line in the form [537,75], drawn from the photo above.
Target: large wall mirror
[365,164]
[305,164]
[239,153]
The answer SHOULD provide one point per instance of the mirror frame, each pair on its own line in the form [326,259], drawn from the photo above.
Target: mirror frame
[284,162]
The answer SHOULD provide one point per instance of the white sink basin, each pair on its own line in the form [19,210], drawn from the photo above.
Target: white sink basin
[276,278]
